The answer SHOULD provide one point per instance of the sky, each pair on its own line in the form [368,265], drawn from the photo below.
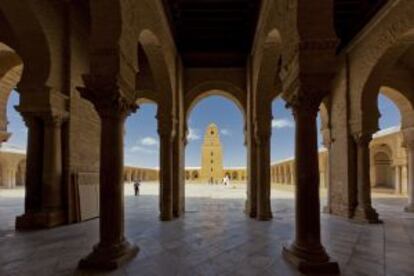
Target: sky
[142,143]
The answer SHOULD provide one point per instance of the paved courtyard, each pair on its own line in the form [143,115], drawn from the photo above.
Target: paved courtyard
[213,238]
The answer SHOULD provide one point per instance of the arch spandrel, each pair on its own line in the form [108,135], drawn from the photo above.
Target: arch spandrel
[404,105]
[227,90]
[372,57]
[30,41]
[266,67]
[160,73]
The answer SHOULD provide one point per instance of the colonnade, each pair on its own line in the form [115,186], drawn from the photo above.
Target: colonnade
[295,55]
[12,169]
[144,174]
[283,173]
[401,179]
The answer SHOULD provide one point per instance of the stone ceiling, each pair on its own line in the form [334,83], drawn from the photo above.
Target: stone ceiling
[219,33]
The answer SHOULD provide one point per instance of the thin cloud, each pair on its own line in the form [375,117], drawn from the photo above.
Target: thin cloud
[225,132]
[282,123]
[149,141]
[142,150]
[193,134]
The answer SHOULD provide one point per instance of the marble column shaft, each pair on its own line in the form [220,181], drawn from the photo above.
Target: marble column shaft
[364,210]
[113,249]
[263,171]
[306,251]
[398,188]
[166,166]
[178,176]
[307,183]
[52,164]
[251,202]
[34,164]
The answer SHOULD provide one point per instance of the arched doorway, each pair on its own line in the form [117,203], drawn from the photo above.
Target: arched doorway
[141,153]
[383,171]
[215,145]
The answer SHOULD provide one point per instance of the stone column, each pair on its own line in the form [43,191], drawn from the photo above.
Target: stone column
[397,180]
[263,134]
[306,251]
[4,176]
[12,178]
[251,202]
[34,164]
[165,132]
[177,174]
[364,210]
[409,143]
[113,248]
[52,168]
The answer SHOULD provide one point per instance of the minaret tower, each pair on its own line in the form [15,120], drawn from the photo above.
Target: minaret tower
[211,156]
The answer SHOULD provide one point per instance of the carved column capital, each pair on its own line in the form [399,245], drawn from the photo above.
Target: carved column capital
[111,96]
[165,124]
[362,138]
[54,120]
[29,119]
[306,96]
[302,104]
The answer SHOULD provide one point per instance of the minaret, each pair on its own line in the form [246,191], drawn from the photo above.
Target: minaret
[211,156]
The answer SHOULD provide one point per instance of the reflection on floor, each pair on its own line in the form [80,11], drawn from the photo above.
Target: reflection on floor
[213,238]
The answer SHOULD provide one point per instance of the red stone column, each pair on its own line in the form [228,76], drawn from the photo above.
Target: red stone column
[263,134]
[178,173]
[165,131]
[33,197]
[44,198]
[52,197]
[306,252]
[251,201]
[364,211]
[113,248]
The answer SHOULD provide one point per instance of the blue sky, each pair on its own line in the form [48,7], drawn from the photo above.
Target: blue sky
[142,143]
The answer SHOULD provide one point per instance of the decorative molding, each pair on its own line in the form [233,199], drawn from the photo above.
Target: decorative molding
[110,95]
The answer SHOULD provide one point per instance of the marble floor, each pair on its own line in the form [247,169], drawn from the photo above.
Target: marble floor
[213,238]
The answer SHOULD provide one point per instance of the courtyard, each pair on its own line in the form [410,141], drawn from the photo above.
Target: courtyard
[214,237]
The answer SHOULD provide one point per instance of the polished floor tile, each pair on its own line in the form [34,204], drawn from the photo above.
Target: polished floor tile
[214,237]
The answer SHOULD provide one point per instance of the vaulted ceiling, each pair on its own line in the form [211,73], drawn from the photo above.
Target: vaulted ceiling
[352,15]
[219,33]
[213,32]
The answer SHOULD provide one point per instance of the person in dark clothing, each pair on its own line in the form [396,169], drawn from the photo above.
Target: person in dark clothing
[137,183]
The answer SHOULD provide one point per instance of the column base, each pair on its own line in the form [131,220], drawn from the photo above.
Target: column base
[41,219]
[366,215]
[265,217]
[409,209]
[177,214]
[166,217]
[110,257]
[251,212]
[310,262]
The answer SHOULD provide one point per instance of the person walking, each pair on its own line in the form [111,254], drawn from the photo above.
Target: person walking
[137,183]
